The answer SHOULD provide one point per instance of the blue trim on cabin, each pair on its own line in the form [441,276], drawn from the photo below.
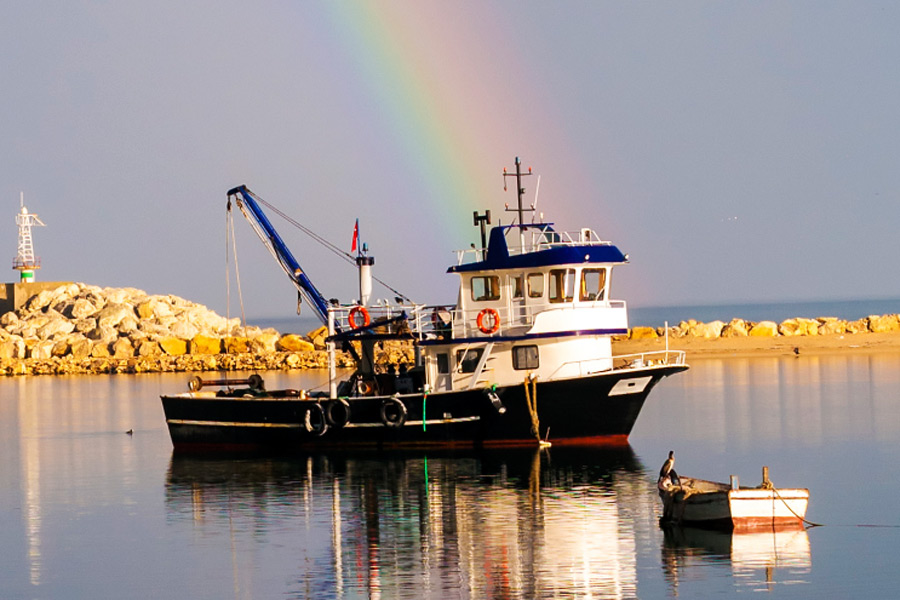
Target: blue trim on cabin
[519,338]
[498,256]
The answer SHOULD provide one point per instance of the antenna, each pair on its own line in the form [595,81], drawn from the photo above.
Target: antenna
[482,220]
[25,262]
[537,190]
[520,191]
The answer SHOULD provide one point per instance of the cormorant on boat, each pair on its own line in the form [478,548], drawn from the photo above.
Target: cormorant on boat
[667,466]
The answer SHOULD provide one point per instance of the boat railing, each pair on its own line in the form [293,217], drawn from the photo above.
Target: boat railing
[537,239]
[344,314]
[446,320]
[656,358]
[644,360]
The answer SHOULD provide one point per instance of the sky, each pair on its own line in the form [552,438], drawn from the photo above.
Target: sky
[737,152]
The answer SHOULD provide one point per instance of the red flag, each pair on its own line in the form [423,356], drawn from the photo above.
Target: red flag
[355,236]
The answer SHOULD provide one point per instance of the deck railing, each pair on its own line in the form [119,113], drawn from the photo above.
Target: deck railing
[538,240]
[657,358]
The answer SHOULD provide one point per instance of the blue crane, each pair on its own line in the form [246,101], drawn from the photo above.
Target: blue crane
[248,203]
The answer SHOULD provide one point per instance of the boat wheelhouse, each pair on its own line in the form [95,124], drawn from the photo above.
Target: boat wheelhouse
[524,356]
[540,311]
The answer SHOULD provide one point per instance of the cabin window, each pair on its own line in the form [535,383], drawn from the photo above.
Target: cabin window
[517,285]
[562,285]
[551,237]
[468,359]
[592,283]
[486,288]
[443,363]
[525,357]
[535,285]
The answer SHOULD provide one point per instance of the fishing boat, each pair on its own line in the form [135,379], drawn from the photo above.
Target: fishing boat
[702,503]
[523,357]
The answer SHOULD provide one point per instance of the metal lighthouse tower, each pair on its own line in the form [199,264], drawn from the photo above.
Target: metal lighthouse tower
[25,262]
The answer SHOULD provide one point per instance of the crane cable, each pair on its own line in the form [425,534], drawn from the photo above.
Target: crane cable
[229,236]
[329,245]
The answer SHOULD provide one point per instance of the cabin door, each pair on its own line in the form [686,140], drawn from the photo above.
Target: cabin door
[518,313]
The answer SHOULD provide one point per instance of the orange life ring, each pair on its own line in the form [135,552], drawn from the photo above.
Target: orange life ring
[494,321]
[364,387]
[351,318]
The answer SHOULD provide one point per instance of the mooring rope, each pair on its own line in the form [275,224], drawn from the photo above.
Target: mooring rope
[807,521]
[531,402]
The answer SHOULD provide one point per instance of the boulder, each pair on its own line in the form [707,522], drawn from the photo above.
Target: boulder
[708,330]
[883,323]
[236,345]
[798,326]
[122,348]
[202,344]
[643,333]
[127,325]
[173,346]
[85,325]
[100,349]
[153,329]
[858,326]
[145,309]
[8,319]
[831,326]
[317,337]
[293,343]
[80,347]
[39,301]
[42,349]
[123,295]
[103,333]
[264,343]
[60,348]
[764,329]
[149,348]
[11,348]
[81,308]
[54,327]
[184,329]
[161,308]
[113,314]
[735,328]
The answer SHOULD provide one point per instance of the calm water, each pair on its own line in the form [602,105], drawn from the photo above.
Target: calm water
[88,511]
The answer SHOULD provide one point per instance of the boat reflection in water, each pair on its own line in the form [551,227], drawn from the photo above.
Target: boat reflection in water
[513,524]
[759,559]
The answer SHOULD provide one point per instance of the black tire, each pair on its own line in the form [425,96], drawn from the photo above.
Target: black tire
[337,413]
[315,419]
[393,413]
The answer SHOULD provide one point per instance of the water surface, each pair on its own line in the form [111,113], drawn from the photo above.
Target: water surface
[90,511]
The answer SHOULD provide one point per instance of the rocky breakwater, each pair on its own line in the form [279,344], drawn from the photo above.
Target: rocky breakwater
[788,328]
[79,328]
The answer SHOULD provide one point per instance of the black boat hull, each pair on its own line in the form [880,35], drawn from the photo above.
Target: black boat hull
[595,409]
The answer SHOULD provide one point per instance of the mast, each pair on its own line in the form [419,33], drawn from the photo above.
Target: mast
[520,192]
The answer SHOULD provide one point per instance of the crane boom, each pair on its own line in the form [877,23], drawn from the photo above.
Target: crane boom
[247,203]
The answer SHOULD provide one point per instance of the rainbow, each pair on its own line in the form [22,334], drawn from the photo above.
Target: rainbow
[450,128]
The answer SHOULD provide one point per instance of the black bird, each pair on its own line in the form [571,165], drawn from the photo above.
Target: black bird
[668,465]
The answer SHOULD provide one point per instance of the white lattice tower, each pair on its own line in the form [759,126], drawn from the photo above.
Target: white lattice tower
[25,262]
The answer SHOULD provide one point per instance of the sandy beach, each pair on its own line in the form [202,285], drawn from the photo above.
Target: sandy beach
[743,347]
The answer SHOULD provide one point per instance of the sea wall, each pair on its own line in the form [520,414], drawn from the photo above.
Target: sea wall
[790,327]
[80,328]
